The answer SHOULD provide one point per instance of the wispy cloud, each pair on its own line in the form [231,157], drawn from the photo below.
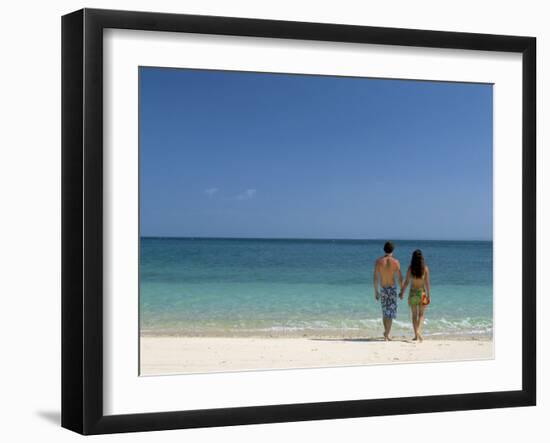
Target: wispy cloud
[211,191]
[246,195]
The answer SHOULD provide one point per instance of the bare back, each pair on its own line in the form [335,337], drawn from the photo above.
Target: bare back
[419,283]
[387,267]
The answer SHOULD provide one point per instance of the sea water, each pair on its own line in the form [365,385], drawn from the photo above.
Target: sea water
[279,287]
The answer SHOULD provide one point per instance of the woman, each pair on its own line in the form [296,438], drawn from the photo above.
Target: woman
[418,275]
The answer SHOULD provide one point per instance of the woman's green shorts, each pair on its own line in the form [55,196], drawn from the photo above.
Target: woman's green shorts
[415,297]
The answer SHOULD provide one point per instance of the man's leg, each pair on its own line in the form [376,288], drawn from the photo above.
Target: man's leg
[387,327]
[392,310]
[383,302]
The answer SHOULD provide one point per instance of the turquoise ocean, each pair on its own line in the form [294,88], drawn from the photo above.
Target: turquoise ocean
[276,287]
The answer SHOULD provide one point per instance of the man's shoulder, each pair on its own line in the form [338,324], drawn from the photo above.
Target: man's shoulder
[391,259]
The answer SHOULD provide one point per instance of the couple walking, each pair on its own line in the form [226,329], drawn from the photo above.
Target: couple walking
[418,275]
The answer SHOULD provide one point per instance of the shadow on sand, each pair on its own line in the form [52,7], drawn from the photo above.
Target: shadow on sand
[366,340]
[54,417]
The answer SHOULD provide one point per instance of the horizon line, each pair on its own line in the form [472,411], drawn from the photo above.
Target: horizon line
[310,238]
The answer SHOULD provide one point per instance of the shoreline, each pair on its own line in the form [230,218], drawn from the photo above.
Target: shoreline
[164,355]
[313,334]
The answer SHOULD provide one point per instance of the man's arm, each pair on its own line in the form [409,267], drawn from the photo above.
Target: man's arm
[375,278]
[405,284]
[400,277]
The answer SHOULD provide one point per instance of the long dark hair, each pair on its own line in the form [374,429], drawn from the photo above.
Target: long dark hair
[417,264]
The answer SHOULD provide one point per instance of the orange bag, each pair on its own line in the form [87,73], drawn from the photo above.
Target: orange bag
[425,300]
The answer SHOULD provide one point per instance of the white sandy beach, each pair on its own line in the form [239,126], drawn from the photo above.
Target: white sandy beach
[171,355]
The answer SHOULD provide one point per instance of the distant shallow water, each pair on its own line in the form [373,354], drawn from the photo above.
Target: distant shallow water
[268,287]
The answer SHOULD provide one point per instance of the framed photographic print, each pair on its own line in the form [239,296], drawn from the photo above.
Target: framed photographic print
[269,221]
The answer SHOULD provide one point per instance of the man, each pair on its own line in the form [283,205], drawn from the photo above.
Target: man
[385,269]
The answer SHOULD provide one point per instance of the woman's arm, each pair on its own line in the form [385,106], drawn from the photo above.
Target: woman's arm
[427,282]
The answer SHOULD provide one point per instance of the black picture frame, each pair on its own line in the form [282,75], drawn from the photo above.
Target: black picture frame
[82,220]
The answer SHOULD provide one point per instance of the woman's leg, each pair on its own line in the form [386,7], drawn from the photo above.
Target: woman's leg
[414,316]
[420,323]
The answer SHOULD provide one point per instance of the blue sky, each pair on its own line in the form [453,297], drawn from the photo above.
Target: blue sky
[234,154]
